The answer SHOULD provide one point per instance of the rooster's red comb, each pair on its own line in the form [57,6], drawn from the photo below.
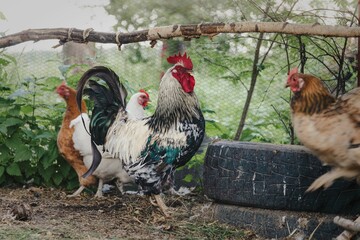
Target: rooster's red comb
[143,91]
[186,61]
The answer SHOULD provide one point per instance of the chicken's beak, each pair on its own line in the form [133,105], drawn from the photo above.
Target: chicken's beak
[287,85]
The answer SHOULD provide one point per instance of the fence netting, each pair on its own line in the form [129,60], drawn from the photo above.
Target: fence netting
[224,69]
[240,78]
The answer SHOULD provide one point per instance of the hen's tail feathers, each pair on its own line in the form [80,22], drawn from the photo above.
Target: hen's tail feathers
[103,87]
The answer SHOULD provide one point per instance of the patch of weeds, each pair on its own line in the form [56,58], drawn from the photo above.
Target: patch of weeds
[205,230]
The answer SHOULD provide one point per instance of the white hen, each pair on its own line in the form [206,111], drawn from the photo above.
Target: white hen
[109,168]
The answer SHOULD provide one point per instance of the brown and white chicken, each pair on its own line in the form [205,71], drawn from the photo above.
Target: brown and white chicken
[65,142]
[328,126]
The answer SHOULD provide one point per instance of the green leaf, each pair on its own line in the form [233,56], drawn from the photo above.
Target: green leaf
[51,84]
[57,178]
[30,171]
[72,183]
[39,151]
[46,174]
[4,153]
[15,110]
[22,153]
[64,167]
[27,109]
[4,102]
[2,178]
[13,169]
[188,178]
[2,170]
[11,122]
[207,110]
[30,134]
[4,62]
[14,142]
[45,134]
[50,156]
[3,129]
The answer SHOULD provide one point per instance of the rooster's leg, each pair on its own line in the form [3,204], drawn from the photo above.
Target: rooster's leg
[160,203]
[99,193]
[77,192]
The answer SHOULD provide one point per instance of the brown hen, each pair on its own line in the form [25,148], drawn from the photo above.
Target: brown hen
[65,142]
[328,126]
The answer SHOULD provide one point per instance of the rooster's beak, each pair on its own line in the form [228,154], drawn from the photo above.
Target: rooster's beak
[287,85]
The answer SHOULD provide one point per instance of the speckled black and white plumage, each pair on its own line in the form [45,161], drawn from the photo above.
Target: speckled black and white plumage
[152,148]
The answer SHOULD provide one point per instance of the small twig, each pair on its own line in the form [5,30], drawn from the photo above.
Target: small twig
[348,224]
[288,228]
[293,232]
[136,219]
[280,118]
[312,234]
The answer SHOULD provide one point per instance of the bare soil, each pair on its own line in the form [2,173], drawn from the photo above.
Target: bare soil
[45,213]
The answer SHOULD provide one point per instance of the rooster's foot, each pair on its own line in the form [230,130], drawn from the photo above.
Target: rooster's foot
[160,204]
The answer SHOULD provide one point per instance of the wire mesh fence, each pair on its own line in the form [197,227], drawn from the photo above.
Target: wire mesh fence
[225,70]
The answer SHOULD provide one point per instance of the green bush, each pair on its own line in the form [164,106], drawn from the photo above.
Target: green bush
[28,133]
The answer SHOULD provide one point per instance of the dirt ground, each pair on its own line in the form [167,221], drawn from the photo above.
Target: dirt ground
[44,213]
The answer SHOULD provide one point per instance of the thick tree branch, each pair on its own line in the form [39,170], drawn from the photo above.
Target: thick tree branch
[166,32]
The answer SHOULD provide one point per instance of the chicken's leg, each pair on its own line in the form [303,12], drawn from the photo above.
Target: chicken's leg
[327,179]
[77,192]
[120,186]
[99,193]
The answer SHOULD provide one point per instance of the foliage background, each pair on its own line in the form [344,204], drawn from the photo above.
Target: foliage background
[225,69]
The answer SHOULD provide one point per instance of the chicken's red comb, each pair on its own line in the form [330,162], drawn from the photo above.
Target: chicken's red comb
[63,83]
[143,91]
[293,71]
[186,61]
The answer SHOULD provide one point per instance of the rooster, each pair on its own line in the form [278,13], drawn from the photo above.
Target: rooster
[153,147]
[329,127]
[109,168]
[64,139]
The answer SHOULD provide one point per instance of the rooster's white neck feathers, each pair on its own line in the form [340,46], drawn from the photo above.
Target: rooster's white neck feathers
[173,100]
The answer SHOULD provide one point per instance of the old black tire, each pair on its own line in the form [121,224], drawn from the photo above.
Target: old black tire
[273,177]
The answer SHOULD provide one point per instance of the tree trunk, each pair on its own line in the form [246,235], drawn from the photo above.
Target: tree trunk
[255,72]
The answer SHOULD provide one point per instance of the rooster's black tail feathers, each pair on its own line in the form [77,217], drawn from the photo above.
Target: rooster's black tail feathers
[103,87]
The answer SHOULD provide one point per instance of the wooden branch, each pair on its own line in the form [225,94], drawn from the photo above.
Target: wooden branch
[352,227]
[166,32]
